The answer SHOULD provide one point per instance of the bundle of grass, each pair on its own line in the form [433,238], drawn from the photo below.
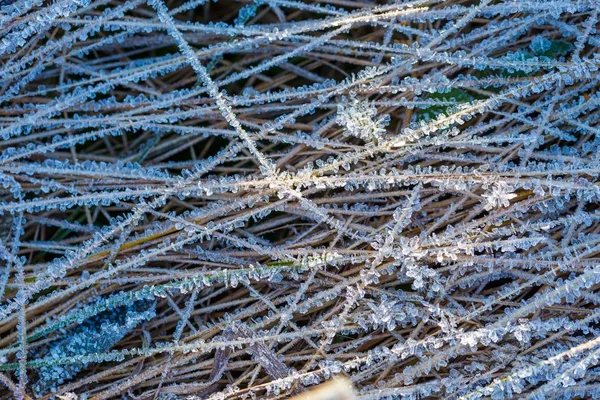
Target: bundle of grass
[243,199]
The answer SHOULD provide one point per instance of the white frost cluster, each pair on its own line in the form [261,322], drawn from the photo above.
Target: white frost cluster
[359,119]
[499,196]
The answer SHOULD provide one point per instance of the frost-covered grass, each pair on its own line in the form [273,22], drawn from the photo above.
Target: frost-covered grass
[241,199]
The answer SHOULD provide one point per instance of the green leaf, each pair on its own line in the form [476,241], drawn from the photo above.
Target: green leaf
[431,112]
